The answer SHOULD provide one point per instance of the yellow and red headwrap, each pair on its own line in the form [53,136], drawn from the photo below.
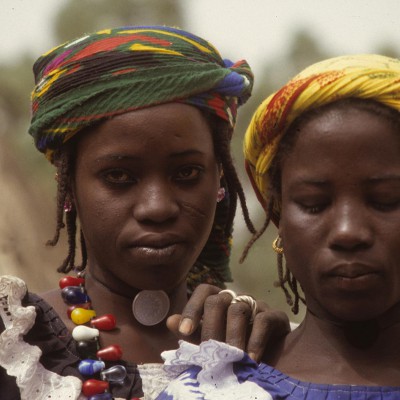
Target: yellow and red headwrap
[365,76]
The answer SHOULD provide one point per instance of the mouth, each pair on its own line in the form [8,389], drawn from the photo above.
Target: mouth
[155,248]
[355,276]
[353,270]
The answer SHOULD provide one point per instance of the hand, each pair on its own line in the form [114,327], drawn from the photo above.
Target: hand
[209,315]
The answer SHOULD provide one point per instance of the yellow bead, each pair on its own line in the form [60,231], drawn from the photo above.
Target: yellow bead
[80,316]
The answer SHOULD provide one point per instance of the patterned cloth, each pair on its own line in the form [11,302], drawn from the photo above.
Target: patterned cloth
[123,69]
[216,370]
[363,76]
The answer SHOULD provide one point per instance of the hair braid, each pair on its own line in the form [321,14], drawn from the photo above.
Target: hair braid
[62,190]
[221,137]
[69,261]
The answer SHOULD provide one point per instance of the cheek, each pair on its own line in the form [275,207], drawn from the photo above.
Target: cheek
[299,240]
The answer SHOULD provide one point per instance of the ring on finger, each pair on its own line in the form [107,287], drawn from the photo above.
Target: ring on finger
[231,292]
[248,300]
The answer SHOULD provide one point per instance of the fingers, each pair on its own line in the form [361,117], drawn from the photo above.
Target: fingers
[192,314]
[215,317]
[238,325]
[268,326]
[173,323]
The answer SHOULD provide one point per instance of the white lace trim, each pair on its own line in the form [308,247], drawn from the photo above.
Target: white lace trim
[21,359]
[154,379]
[216,379]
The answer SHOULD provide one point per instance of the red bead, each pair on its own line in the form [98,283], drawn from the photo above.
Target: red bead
[94,386]
[86,306]
[110,353]
[105,322]
[71,281]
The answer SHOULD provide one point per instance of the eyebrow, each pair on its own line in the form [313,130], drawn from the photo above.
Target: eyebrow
[384,178]
[123,156]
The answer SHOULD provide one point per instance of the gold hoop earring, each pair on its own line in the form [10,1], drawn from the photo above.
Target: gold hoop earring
[277,245]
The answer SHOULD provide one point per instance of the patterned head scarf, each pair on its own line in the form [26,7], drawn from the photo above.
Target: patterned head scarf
[365,76]
[118,70]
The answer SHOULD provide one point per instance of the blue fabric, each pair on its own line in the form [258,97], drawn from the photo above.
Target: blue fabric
[217,371]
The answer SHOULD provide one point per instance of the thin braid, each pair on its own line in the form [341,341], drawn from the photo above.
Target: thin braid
[222,146]
[257,234]
[69,261]
[62,190]
[64,167]
[283,276]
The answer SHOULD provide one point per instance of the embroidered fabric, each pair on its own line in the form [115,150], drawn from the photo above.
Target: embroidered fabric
[209,373]
[21,359]
[218,371]
[154,379]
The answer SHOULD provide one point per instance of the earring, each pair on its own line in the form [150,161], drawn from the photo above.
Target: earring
[67,205]
[277,245]
[220,194]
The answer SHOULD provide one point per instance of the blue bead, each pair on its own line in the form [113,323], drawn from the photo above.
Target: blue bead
[90,367]
[101,396]
[75,295]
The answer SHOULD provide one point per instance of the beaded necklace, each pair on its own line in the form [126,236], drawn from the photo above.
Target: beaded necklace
[95,360]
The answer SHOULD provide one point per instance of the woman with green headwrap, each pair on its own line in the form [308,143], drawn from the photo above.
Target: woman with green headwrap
[138,122]
[323,154]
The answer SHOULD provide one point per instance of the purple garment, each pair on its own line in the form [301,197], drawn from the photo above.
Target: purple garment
[218,371]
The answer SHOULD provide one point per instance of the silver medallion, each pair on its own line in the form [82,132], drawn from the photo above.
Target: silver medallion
[150,307]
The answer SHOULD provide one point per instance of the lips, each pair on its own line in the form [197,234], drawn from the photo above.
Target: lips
[155,249]
[356,277]
[353,270]
[155,241]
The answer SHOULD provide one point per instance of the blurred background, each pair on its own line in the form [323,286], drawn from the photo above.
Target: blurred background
[277,37]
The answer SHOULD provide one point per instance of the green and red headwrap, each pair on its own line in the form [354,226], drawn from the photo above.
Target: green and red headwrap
[118,70]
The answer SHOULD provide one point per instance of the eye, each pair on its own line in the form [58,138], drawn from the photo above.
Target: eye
[312,204]
[118,176]
[189,173]
[313,209]
[386,205]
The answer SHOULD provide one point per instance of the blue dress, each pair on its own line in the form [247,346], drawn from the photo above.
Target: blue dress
[218,371]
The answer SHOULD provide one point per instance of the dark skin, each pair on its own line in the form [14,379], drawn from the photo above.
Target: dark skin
[145,189]
[339,226]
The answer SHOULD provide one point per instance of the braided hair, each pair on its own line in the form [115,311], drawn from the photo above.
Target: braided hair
[211,266]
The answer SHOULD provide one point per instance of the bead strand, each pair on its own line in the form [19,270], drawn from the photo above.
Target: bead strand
[93,357]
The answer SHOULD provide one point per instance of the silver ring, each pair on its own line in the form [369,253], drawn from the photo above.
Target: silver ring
[231,292]
[248,300]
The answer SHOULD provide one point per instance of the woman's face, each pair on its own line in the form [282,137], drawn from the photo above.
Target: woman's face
[340,219]
[145,189]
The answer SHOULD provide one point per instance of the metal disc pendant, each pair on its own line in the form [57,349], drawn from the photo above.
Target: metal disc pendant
[150,307]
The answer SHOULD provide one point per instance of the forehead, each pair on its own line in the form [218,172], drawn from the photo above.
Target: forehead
[150,131]
[341,139]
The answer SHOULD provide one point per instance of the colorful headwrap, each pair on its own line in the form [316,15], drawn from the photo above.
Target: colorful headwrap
[364,76]
[118,70]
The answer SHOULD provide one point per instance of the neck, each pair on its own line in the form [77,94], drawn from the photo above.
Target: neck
[360,334]
[106,299]
[326,351]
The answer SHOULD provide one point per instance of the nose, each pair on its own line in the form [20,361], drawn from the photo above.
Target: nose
[350,228]
[156,203]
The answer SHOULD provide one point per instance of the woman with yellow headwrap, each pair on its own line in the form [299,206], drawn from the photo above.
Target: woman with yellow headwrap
[323,155]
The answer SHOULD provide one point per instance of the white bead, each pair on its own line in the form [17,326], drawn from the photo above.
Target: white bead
[84,333]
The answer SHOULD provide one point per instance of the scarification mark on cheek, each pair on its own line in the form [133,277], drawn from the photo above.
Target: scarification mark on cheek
[192,211]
